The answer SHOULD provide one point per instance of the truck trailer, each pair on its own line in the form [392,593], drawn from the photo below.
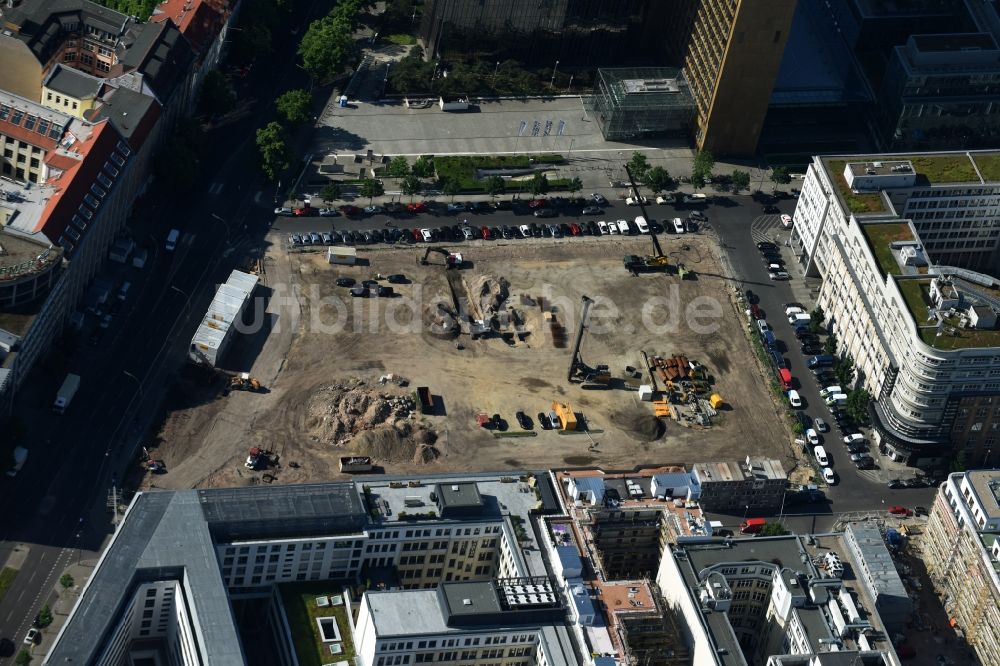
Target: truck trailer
[66,392]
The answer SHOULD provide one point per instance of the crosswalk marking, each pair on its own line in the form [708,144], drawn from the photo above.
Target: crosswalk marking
[216,188]
[761,228]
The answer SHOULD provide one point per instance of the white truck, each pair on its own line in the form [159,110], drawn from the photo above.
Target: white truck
[66,392]
[454,103]
[20,455]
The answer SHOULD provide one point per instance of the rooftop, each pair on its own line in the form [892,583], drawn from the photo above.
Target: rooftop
[73,83]
[949,335]
[986,483]
[880,236]
[955,42]
[645,87]
[461,495]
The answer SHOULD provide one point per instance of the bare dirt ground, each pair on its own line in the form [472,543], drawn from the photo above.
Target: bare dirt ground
[318,343]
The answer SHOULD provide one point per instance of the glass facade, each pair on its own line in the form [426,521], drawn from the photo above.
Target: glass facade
[639,102]
[577,33]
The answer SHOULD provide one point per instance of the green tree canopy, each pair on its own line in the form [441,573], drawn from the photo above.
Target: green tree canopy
[45,616]
[773,529]
[574,185]
[410,186]
[780,175]
[398,167]
[657,179]
[830,345]
[326,47]
[272,145]
[703,164]
[844,370]
[697,181]
[638,165]
[23,658]
[422,168]
[371,188]
[295,106]
[66,581]
[330,192]
[857,404]
[495,185]
[539,184]
[217,95]
[451,187]
[741,180]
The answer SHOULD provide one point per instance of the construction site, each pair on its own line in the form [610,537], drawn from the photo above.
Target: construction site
[511,355]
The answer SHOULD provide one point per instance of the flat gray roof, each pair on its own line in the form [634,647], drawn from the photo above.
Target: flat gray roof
[459,495]
[407,613]
[73,83]
[471,598]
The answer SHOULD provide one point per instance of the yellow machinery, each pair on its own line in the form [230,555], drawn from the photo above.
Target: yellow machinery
[567,417]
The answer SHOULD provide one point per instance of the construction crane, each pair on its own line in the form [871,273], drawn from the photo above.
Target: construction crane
[451,259]
[579,372]
[657,261]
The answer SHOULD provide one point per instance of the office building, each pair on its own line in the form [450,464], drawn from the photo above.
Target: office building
[755,484]
[895,239]
[732,61]
[574,33]
[773,600]
[961,550]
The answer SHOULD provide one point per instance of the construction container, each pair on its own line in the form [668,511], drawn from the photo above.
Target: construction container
[347,256]
[567,417]
[716,401]
[646,393]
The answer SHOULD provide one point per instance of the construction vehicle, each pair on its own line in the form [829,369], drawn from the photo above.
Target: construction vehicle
[244,382]
[258,459]
[658,255]
[598,376]
[567,417]
[648,264]
[451,259]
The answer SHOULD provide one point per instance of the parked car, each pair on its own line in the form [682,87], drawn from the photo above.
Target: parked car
[351,211]
[641,225]
[33,637]
[766,245]
[779,275]
[829,476]
[374,209]
[479,207]
[416,207]
[812,437]
[751,297]
[915,483]
[771,210]
[538,203]
[426,235]
[345,282]
[543,421]
[457,207]
[485,233]
[524,421]
[328,212]
[635,201]
[663,200]
[397,278]
[591,210]
[599,199]
[895,484]
[283,211]
[575,229]
[603,226]
[697,215]
[920,511]
[794,399]
[501,205]
[898,510]
[546,212]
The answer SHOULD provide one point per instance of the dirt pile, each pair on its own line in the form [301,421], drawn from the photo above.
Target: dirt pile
[377,420]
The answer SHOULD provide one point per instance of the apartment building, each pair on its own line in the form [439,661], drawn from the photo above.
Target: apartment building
[881,232]
[961,549]
[732,60]
[755,484]
[773,600]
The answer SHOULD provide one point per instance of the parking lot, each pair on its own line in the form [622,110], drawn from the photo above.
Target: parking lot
[342,344]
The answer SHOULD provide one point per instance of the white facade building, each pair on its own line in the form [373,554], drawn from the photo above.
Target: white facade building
[933,374]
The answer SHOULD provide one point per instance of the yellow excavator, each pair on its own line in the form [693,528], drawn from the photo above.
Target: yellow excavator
[244,382]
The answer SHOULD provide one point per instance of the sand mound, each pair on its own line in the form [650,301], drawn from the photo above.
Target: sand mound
[374,420]
[639,423]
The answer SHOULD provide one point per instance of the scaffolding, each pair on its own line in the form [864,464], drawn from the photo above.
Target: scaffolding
[630,103]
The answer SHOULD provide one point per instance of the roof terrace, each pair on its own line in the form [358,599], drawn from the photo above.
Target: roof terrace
[949,334]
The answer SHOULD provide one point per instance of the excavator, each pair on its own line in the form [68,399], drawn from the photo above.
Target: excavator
[597,377]
[655,262]
[451,259]
[244,382]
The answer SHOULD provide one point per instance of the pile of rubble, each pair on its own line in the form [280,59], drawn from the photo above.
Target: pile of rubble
[377,419]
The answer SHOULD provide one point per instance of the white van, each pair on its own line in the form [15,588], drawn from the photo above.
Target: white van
[172,239]
[830,390]
[678,225]
[696,198]
[839,399]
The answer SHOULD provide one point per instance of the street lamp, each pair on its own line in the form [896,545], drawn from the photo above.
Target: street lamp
[570,86]
[554,70]
[495,70]
[179,290]
[138,382]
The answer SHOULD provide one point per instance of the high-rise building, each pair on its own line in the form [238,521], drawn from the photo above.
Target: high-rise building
[961,549]
[733,56]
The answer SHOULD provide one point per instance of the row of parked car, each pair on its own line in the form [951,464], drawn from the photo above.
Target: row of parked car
[773,261]
[466,232]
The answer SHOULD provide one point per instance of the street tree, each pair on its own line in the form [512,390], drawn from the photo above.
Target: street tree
[330,192]
[217,95]
[178,163]
[740,180]
[958,463]
[780,175]
[703,164]
[422,168]
[326,47]
[23,658]
[66,581]
[495,185]
[816,319]
[638,165]
[272,145]
[45,616]
[539,184]
[844,370]
[451,187]
[398,167]
[697,181]
[295,106]
[830,345]
[773,529]
[574,185]
[410,186]
[657,179]
[371,188]
[857,404]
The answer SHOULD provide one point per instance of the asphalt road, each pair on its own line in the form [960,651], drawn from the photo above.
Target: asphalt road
[57,503]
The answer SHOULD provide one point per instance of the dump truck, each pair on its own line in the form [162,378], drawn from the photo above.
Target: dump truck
[567,417]
[66,392]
